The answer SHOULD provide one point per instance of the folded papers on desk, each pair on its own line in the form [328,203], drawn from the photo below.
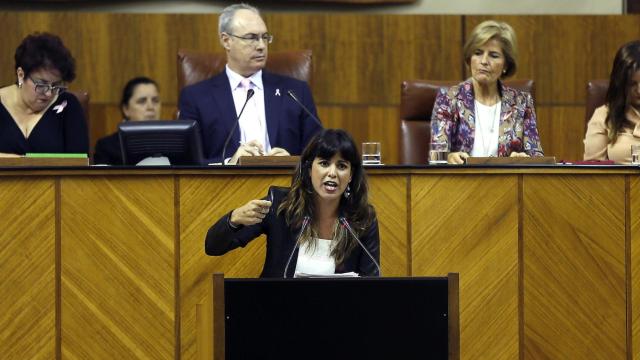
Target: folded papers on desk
[340,275]
[268,160]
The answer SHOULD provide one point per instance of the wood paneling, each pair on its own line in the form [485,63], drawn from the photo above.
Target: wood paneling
[562,130]
[388,195]
[542,254]
[574,267]
[469,225]
[634,268]
[27,268]
[117,282]
[367,123]
[203,200]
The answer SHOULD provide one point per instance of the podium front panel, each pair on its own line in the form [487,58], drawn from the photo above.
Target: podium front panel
[359,318]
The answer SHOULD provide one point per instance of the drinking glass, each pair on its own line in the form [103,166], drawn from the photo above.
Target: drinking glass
[371,154]
[438,153]
[635,154]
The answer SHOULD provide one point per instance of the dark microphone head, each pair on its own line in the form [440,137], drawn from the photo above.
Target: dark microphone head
[250,93]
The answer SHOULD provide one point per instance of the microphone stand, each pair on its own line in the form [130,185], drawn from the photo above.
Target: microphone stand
[250,93]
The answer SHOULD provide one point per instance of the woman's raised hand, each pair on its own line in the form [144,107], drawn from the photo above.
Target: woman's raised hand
[251,213]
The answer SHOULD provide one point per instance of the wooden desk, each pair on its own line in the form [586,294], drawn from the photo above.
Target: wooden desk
[109,263]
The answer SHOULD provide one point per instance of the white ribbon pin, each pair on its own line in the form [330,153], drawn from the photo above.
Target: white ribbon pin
[58,108]
[277,92]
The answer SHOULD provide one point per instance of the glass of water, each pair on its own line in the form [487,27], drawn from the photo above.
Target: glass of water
[438,152]
[371,153]
[635,154]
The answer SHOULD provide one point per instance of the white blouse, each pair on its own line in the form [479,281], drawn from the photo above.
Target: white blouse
[487,121]
[316,260]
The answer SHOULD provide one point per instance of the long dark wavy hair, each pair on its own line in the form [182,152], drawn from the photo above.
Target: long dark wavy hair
[625,64]
[299,203]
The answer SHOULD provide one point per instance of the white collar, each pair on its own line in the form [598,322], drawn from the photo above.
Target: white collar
[235,78]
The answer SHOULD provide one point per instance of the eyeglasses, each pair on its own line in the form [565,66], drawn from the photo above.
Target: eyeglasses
[255,38]
[43,88]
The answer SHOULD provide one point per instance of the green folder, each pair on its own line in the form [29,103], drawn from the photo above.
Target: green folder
[57,155]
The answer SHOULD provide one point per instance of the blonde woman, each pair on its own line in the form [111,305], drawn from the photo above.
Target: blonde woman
[481,116]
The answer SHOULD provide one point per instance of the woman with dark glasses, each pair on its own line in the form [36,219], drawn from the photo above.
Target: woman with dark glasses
[36,114]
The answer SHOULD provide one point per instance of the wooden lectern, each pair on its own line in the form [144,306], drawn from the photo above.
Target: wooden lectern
[368,318]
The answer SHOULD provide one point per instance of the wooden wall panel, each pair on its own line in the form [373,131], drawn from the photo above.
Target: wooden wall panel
[203,200]
[633,282]
[574,272]
[118,264]
[469,225]
[562,130]
[28,268]
[367,123]
[388,195]
[362,59]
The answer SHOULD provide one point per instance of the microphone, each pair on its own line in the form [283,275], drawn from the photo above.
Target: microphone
[305,222]
[295,98]
[345,223]
[250,93]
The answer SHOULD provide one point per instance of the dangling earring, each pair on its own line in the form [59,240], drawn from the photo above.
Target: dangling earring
[19,84]
[347,192]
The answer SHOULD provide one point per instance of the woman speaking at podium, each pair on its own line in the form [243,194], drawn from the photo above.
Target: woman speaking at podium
[322,225]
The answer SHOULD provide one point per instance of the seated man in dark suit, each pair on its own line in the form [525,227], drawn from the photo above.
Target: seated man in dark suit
[271,123]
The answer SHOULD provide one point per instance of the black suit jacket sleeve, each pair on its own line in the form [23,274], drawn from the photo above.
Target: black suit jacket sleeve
[222,238]
[371,241]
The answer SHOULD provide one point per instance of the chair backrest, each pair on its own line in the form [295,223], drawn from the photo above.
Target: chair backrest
[596,93]
[417,98]
[196,66]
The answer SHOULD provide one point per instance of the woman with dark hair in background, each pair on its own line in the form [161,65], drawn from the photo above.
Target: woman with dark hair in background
[37,115]
[140,101]
[322,225]
[615,126]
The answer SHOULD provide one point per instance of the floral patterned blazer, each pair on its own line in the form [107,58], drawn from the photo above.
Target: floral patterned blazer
[453,120]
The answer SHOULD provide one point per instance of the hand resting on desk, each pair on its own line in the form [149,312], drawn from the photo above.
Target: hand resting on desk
[457,158]
[255,148]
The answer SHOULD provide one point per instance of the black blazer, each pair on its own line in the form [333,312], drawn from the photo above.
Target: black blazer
[108,150]
[281,241]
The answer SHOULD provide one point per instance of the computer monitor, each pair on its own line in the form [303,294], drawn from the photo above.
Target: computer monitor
[177,140]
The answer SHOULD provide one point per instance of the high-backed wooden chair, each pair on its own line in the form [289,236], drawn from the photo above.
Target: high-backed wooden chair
[596,93]
[194,66]
[417,98]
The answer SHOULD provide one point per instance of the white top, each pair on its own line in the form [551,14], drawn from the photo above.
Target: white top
[316,260]
[253,122]
[485,142]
